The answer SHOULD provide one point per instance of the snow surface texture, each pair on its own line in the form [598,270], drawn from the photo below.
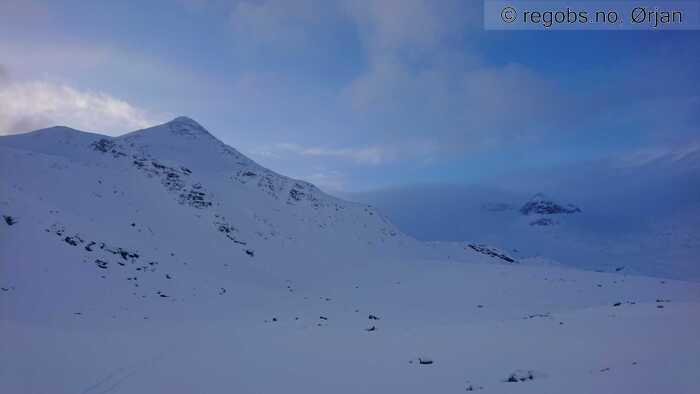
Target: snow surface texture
[166,261]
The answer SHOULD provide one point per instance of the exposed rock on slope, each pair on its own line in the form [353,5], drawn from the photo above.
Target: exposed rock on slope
[171,198]
[541,205]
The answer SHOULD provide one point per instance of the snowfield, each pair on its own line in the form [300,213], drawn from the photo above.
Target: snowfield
[164,261]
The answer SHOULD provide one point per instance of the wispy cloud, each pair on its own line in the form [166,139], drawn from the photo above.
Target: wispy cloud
[276,22]
[688,151]
[413,82]
[370,155]
[331,181]
[407,27]
[29,105]
[23,12]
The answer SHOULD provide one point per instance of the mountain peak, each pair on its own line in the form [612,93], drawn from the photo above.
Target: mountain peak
[182,125]
[542,205]
[539,197]
[184,120]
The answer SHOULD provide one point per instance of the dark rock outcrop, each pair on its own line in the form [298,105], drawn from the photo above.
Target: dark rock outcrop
[540,205]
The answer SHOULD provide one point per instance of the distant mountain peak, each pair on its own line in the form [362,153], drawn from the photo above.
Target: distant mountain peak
[183,125]
[539,197]
[59,128]
[184,119]
[540,204]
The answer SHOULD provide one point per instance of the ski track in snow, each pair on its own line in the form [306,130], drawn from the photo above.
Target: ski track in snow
[115,378]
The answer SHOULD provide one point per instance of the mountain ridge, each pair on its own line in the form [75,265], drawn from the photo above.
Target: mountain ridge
[542,205]
[229,200]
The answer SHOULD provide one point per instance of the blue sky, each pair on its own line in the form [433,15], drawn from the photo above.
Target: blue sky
[351,95]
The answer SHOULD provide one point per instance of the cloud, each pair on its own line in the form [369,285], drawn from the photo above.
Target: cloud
[686,153]
[416,80]
[4,75]
[29,105]
[407,28]
[473,108]
[41,58]
[331,181]
[277,22]
[23,13]
[371,155]
[410,27]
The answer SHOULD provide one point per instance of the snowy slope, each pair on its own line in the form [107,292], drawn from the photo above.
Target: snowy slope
[173,200]
[166,261]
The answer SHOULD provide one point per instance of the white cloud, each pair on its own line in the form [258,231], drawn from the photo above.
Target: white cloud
[29,105]
[23,13]
[408,26]
[371,155]
[331,181]
[472,108]
[4,75]
[277,22]
[688,151]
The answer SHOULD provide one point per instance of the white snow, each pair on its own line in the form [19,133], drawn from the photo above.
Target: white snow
[166,261]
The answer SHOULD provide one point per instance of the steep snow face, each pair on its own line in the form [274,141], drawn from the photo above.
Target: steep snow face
[187,142]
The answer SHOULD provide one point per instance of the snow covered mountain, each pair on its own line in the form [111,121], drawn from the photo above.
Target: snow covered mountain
[166,261]
[541,205]
[142,208]
[179,181]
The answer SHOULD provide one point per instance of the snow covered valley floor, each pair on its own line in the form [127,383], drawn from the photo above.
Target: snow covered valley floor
[496,328]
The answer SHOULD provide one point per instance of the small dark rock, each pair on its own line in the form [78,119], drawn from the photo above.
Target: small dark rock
[520,376]
[9,220]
